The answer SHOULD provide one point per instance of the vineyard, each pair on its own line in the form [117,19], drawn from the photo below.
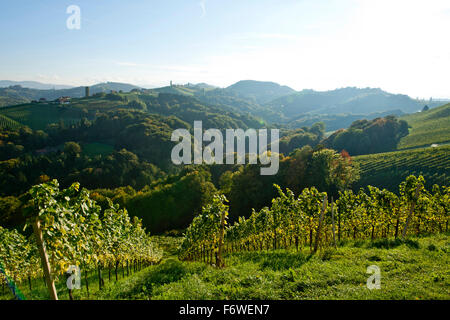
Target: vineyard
[38,116]
[271,254]
[7,123]
[427,127]
[71,232]
[388,170]
[311,221]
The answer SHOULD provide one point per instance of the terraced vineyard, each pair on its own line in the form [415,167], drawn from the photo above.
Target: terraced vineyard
[387,170]
[7,123]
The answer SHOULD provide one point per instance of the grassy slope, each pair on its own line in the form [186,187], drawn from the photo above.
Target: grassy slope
[413,269]
[432,126]
[176,90]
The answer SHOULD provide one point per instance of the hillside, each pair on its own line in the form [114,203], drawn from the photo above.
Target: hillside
[38,116]
[428,127]
[344,101]
[187,108]
[335,122]
[387,170]
[182,90]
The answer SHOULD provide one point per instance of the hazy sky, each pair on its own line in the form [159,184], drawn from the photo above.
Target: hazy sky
[399,46]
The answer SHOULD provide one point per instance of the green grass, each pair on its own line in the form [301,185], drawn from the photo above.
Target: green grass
[388,170]
[413,269]
[39,290]
[168,244]
[429,127]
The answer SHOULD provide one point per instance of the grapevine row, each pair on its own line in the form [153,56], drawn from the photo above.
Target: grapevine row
[76,232]
[312,220]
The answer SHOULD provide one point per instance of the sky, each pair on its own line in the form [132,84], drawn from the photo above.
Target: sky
[401,46]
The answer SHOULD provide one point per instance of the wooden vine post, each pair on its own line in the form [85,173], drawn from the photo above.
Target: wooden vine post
[332,221]
[44,258]
[219,261]
[319,228]
[411,210]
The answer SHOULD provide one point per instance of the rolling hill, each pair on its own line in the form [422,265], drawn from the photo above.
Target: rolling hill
[335,122]
[260,92]
[336,108]
[427,127]
[187,108]
[268,102]
[348,100]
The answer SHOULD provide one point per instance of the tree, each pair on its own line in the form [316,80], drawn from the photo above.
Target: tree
[137,104]
[364,136]
[72,149]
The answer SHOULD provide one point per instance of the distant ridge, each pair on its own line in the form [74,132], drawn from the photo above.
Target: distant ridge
[17,94]
[349,100]
[33,85]
[262,92]
[116,86]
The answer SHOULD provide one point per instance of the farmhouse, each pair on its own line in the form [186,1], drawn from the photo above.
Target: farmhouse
[63,100]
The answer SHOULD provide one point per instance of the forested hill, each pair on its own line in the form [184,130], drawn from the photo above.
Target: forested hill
[283,106]
[345,101]
[260,92]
